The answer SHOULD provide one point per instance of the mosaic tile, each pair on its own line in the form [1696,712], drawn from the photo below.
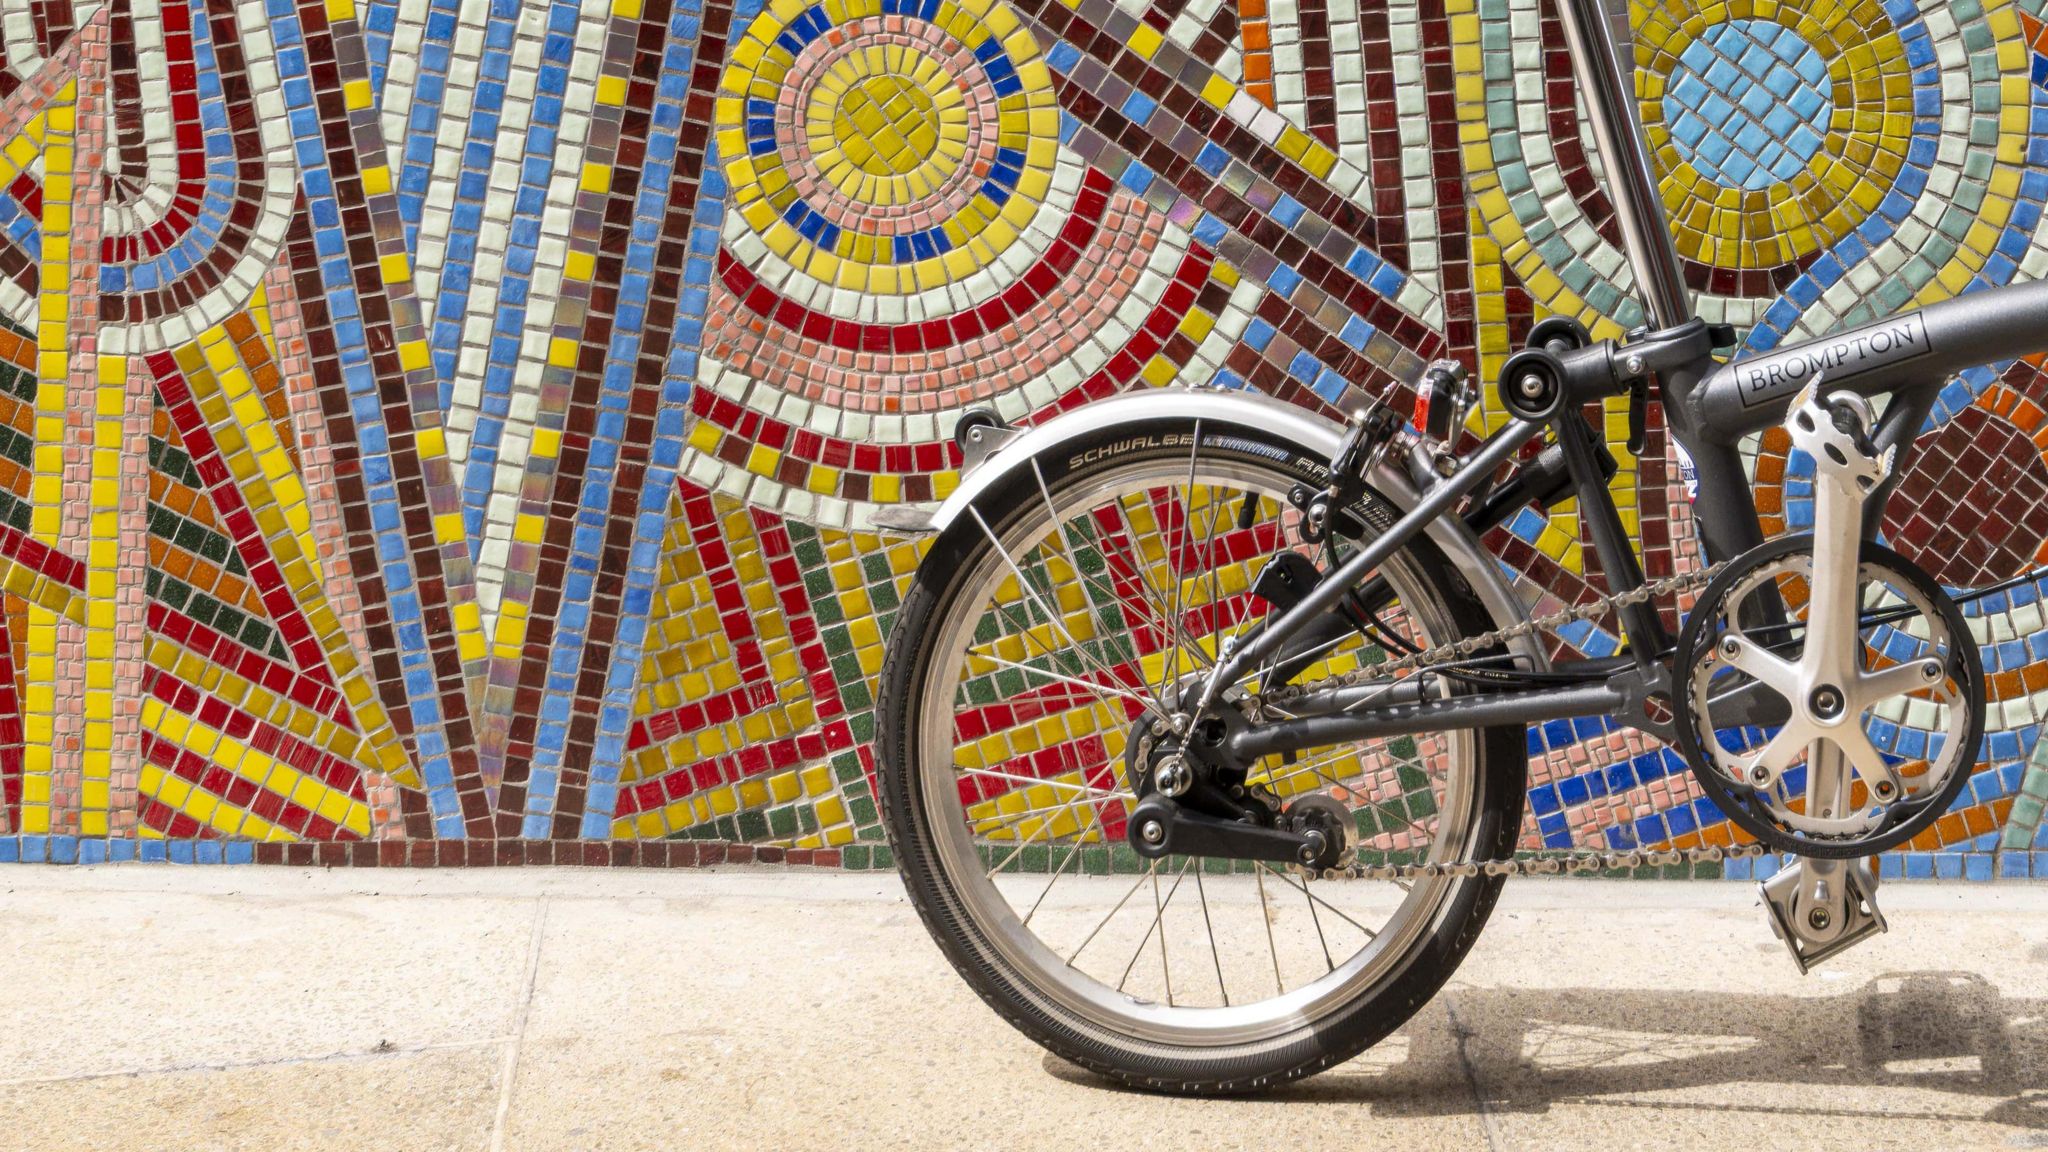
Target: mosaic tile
[464,420]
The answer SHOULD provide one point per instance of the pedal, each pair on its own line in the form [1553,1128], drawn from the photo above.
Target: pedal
[1823,908]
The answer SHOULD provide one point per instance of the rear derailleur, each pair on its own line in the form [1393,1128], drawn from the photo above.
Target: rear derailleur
[1193,800]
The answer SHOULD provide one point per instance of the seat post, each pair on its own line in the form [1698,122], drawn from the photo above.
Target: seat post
[1610,97]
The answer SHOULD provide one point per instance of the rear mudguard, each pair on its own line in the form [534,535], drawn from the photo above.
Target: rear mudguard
[1310,434]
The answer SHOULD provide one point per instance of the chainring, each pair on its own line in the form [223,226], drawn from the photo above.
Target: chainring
[1926,736]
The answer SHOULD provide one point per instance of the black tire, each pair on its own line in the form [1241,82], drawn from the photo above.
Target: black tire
[1498,772]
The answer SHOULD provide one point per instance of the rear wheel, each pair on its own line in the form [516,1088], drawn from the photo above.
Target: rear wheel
[1047,625]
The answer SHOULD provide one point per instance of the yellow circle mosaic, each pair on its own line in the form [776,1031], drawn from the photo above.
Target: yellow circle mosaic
[1857,157]
[886,126]
[887,146]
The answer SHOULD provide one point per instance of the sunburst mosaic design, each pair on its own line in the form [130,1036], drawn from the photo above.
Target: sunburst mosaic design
[453,433]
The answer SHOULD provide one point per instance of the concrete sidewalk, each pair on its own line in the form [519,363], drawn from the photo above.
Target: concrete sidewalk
[149,1006]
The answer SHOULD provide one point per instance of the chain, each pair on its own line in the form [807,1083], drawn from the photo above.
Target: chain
[1562,863]
[1472,645]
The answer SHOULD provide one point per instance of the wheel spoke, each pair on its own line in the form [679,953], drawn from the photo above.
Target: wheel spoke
[1158,911]
[1330,965]
[1111,915]
[1217,504]
[1012,818]
[994,774]
[1073,854]
[1102,692]
[1088,586]
[1094,796]
[1314,900]
[1052,618]
[1314,767]
[1173,558]
[1210,926]
[1165,969]
[1266,918]
[1045,829]
[1135,557]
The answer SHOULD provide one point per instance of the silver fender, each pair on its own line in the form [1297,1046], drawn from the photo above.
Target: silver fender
[1312,434]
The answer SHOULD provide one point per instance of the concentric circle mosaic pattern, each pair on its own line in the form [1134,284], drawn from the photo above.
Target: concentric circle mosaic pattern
[453,433]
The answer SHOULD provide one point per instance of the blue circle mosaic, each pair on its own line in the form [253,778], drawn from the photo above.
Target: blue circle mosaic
[1748,104]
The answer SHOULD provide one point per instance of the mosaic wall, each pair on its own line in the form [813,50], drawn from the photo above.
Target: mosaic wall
[449,431]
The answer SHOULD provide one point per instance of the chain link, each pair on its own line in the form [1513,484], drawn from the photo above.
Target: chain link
[1520,865]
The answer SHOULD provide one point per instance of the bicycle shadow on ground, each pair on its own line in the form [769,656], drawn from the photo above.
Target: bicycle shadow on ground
[1523,1050]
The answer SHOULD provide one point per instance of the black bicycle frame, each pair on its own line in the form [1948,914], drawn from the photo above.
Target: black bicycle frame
[1709,407]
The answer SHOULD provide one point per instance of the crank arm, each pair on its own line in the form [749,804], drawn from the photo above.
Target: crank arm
[1848,468]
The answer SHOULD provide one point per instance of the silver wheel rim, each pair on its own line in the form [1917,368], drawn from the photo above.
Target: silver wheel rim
[1233,1013]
